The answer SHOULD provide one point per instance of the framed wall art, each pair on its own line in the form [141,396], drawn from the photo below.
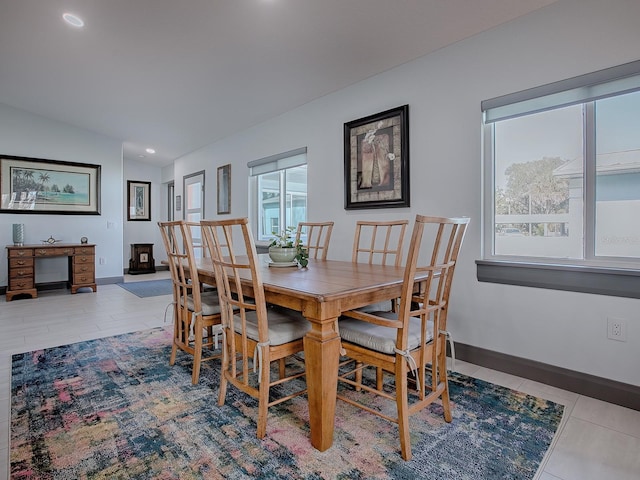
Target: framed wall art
[224,189]
[36,185]
[376,160]
[138,201]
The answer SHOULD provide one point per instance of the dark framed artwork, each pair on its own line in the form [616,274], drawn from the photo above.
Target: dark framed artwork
[224,189]
[37,185]
[376,160]
[138,201]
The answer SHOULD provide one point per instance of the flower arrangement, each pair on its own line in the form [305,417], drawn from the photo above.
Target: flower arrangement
[284,239]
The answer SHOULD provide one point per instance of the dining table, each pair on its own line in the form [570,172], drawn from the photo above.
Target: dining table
[322,292]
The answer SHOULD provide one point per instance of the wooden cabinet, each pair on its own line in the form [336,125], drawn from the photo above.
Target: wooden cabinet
[142,260]
[22,261]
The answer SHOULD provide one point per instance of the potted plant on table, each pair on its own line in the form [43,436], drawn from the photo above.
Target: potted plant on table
[283,249]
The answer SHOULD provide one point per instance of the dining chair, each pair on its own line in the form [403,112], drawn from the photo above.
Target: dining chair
[198,241]
[197,314]
[317,236]
[413,337]
[253,333]
[380,243]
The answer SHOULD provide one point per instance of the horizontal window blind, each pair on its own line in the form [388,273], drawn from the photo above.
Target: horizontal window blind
[280,161]
[584,88]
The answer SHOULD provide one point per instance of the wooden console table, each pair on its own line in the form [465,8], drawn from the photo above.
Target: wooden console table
[21,263]
[142,260]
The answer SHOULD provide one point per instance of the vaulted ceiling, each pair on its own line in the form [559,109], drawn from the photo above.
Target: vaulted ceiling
[176,75]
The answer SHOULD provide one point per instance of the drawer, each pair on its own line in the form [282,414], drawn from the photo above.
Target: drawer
[84,251]
[84,268]
[21,272]
[84,259]
[20,262]
[83,278]
[21,283]
[53,252]
[21,252]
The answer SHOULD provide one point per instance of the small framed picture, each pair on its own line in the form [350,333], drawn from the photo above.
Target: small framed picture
[224,189]
[138,201]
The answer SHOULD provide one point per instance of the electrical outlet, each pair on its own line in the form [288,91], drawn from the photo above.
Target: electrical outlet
[103,261]
[617,329]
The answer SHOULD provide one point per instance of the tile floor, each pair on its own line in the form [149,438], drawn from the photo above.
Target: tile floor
[596,440]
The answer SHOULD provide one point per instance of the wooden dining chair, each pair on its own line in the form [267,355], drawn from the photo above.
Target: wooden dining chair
[198,241]
[254,334]
[379,243]
[317,235]
[197,314]
[413,337]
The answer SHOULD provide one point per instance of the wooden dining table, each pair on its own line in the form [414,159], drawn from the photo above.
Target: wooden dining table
[321,292]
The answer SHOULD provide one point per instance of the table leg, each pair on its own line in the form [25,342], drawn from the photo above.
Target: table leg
[322,354]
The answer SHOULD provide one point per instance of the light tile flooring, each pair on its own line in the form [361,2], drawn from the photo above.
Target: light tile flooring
[596,440]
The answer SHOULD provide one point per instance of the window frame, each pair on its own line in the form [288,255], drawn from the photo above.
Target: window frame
[606,275]
[281,164]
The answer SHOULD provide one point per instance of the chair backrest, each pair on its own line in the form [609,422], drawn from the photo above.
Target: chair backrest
[235,262]
[317,236]
[178,244]
[433,252]
[200,249]
[378,242]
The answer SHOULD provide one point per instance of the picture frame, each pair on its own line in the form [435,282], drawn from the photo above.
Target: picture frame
[43,186]
[376,160]
[138,201]
[224,189]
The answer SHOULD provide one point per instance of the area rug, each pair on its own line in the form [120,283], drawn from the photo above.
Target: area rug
[150,288]
[114,408]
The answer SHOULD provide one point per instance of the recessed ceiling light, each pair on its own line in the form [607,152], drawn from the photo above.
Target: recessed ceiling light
[142,156]
[73,20]
[150,150]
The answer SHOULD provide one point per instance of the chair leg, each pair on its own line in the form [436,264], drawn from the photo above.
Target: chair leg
[174,350]
[263,397]
[358,376]
[197,351]
[379,378]
[402,402]
[210,337]
[222,393]
[281,368]
[442,373]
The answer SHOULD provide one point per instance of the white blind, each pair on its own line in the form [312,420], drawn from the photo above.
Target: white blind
[584,88]
[280,161]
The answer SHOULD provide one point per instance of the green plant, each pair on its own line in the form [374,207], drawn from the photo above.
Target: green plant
[285,239]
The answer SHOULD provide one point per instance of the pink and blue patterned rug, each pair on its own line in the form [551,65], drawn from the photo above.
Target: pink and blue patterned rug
[114,409]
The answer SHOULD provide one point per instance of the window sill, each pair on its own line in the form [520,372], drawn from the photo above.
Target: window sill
[617,282]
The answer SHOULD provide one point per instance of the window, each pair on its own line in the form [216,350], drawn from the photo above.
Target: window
[562,165]
[278,186]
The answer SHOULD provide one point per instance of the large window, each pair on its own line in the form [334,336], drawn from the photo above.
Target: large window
[278,185]
[562,164]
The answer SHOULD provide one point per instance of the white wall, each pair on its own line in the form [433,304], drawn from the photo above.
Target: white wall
[444,91]
[27,135]
[138,231]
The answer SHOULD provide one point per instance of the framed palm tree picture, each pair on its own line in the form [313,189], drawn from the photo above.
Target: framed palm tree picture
[36,185]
